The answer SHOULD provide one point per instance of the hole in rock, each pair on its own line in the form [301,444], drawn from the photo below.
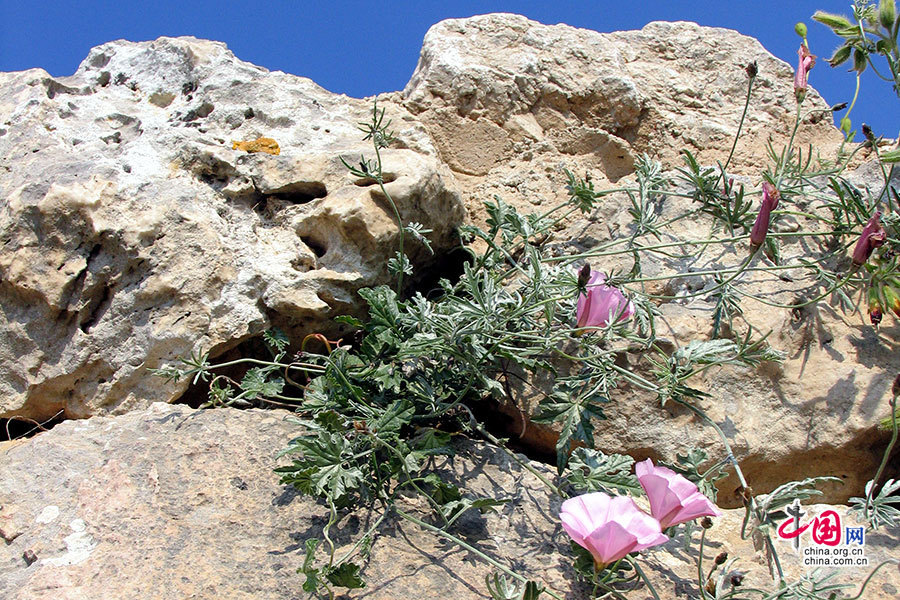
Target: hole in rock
[318,248]
[300,192]
[449,266]
[15,428]
[507,422]
[96,310]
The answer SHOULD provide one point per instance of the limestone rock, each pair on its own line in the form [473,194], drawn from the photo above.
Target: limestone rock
[172,502]
[133,233]
[495,87]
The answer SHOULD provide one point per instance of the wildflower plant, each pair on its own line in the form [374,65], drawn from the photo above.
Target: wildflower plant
[372,414]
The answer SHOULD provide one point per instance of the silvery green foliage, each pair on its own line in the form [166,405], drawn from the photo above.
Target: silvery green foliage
[883,509]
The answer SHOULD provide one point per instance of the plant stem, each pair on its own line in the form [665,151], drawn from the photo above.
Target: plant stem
[884,460]
[740,127]
[700,581]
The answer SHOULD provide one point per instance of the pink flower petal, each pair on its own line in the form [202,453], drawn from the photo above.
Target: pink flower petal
[673,498]
[609,528]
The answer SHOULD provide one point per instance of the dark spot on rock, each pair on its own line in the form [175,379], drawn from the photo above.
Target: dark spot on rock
[189,87]
[104,78]
[249,114]
[239,483]
[201,112]
[161,99]
[100,60]
[29,557]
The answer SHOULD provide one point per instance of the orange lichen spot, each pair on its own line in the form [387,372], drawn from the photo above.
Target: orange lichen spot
[263,144]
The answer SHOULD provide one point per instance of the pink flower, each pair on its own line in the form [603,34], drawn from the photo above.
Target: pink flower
[673,499]
[872,237]
[609,528]
[806,62]
[602,304]
[771,196]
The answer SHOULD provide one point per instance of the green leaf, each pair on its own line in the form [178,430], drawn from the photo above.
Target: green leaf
[891,156]
[432,441]
[394,417]
[255,383]
[785,494]
[276,340]
[884,508]
[594,471]
[442,492]
[346,575]
[351,321]
[312,574]
[325,467]
[575,416]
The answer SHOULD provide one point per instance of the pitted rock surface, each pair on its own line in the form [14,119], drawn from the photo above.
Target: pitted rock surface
[134,234]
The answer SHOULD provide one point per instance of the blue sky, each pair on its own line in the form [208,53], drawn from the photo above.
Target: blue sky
[362,48]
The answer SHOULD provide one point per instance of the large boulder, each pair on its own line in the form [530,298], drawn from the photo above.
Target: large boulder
[133,233]
[170,502]
[504,95]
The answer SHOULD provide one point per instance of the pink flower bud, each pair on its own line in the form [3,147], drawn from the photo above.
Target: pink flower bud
[602,303]
[771,196]
[673,499]
[872,237]
[609,528]
[806,62]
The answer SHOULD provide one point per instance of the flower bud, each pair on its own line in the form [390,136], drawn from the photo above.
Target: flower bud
[751,69]
[887,13]
[840,56]
[806,61]
[706,523]
[846,125]
[769,203]
[859,60]
[584,276]
[737,578]
[833,21]
[895,390]
[721,558]
[867,131]
[875,313]
[838,107]
[800,29]
[873,236]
